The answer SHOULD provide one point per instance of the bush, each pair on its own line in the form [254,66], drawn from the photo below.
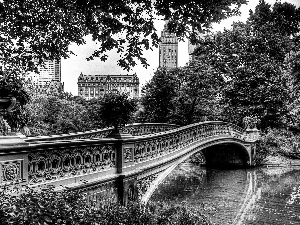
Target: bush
[277,142]
[68,207]
[116,109]
[49,115]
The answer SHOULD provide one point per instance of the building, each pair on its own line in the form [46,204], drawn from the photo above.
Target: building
[95,86]
[48,80]
[168,49]
[50,71]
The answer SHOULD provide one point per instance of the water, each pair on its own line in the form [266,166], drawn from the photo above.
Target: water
[238,196]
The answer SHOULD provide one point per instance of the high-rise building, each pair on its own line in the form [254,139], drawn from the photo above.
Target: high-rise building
[48,78]
[51,70]
[95,86]
[168,49]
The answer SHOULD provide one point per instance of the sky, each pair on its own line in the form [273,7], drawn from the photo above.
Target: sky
[73,66]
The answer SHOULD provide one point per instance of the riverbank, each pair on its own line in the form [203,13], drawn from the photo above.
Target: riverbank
[278,165]
[280,161]
[278,150]
[278,147]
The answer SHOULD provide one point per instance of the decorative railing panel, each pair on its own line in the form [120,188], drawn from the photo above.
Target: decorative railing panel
[152,146]
[46,165]
[133,129]
[148,128]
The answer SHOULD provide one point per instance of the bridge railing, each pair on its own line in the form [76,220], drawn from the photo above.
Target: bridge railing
[135,129]
[59,163]
[75,162]
[152,146]
[66,161]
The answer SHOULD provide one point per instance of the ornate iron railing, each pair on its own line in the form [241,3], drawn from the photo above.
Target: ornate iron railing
[62,162]
[55,162]
[135,129]
[151,146]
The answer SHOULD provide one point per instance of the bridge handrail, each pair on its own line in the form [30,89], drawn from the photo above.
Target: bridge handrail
[234,127]
[133,129]
[65,159]
[58,160]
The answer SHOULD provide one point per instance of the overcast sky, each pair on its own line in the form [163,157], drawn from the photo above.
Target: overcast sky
[73,66]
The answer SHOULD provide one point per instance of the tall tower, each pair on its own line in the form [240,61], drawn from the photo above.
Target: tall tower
[50,71]
[168,49]
[49,77]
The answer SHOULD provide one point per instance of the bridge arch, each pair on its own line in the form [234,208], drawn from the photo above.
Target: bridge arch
[198,147]
[225,155]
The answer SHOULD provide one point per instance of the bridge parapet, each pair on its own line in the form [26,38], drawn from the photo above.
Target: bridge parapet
[87,163]
[58,163]
[135,129]
[155,145]
[63,163]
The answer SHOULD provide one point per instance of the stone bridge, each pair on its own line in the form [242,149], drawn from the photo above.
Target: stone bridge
[125,168]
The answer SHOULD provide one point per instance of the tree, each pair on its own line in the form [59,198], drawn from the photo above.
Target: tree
[291,72]
[116,109]
[93,107]
[157,96]
[52,115]
[251,56]
[45,29]
[35,31]
[282,18]
[183,95]
[197,94]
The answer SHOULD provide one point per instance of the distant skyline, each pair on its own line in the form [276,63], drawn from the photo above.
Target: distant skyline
[73,66]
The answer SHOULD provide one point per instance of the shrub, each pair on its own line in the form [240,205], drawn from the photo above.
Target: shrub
[116,109]
[277,142]
[68,207]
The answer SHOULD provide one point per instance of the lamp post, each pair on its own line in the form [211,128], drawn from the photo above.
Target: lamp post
[11,96]
[7,103]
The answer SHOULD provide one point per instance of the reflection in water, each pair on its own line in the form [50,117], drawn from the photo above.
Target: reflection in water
[252,196]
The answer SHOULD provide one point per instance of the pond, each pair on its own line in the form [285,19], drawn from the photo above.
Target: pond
[264,195]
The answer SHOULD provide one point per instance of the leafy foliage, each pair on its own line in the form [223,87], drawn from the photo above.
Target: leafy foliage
[291,72]
[11,85]
[282,18]
[251,56]
[197,94]
[32,32]
[116,109]
[183,95]
[277,142]
[69,207]
[158,95]
[244,70]
[53,115]
[64,113]
[45,29]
